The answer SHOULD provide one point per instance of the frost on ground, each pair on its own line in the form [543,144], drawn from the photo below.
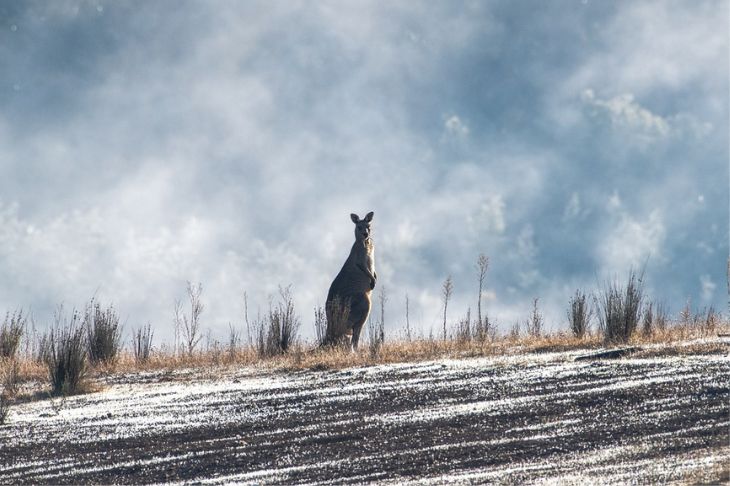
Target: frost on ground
[519,419]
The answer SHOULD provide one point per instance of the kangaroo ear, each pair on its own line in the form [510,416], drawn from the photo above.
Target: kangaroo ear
[355,218]
[369,217]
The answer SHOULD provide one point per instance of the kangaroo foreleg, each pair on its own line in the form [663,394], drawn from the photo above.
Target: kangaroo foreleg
[372,277]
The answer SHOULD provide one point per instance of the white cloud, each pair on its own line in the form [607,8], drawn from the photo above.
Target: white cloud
[705,248]
[708,288]
[658,45]
[624,112]
[71,256]
[657,51]
[527,252]
[490,217]
[634,120]
[526,247]
[628,242]
[614,201]
[574,208]
[454,126]
[407,234]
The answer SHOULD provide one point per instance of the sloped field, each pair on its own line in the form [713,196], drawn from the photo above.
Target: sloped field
[510,419]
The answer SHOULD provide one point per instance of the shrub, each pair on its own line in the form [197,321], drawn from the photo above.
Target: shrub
[711,321]
[620,308]
[4,409]
[286,319]
[376,328]
[482,325]
[65,356]
[103,333]
[648,321]
[273,334]
[320,325]
[376,335]
[514,331]
[142,343]
[483,329]
[535,323]
[234,340]
[408,321]
[685,315]
[260,330]
[31,337]
[447,288]
[464,328]
[189,327]
[338,313]
[579,314]
[11,332]
[705,321]
[41,348]
[278,332]
[655,318]
[661,317]
[11,378]
[249,336]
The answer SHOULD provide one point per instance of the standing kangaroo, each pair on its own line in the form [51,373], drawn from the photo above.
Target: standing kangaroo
[348,300]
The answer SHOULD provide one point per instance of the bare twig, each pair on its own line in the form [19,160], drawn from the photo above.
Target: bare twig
[579,314]
[408,322]
[535,323]
[190,326]
[245,317]
[142,343]
[482,266]
[447,288]
[320,325]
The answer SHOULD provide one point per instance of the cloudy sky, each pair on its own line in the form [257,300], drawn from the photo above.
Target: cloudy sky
[145,144]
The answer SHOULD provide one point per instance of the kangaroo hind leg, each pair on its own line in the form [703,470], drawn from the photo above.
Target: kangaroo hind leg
[359,312]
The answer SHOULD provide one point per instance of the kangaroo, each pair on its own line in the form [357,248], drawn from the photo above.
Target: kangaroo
[348,300]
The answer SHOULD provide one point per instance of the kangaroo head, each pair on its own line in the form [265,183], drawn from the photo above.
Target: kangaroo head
[362,226]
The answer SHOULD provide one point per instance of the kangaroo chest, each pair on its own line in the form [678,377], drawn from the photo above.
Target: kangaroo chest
[356,273]
[370,257]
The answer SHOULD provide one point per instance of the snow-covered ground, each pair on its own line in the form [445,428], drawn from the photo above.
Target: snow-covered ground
[514,419]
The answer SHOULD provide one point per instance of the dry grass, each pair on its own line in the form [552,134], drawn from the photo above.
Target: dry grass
[682,349]
[28,370]
[676,339]
[681,332]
